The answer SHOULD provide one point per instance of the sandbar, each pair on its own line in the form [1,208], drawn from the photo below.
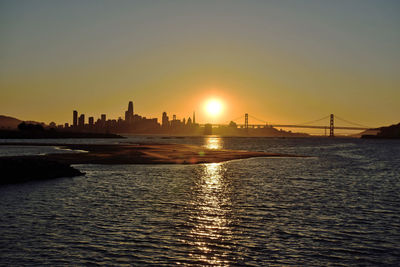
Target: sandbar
[145,154]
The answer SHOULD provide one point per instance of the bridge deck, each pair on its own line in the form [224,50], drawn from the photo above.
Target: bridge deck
[292,126]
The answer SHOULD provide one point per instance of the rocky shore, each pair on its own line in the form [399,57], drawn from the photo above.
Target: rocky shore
[29,168]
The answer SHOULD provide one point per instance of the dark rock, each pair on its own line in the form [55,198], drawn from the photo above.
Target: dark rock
[28,168]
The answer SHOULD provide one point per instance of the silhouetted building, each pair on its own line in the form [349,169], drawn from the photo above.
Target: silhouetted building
[81,121]
[91,121]
[129,118]
[232,124]
[103,118]
[194,117]
[75,118]
[130,107]
[165,120]
[176,124]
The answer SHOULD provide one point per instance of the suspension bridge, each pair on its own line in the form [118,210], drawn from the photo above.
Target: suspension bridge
[307,125]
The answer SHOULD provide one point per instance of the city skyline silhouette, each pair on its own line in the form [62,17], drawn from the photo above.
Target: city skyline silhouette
[135,123]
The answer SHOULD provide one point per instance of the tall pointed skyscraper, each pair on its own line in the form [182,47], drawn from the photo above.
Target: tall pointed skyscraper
[129,113]
[130,108]
[75,118]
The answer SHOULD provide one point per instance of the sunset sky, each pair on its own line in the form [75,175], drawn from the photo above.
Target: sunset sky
[281,61]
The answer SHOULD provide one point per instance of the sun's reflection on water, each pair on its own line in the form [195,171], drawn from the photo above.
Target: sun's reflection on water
[211,216]
[213,142]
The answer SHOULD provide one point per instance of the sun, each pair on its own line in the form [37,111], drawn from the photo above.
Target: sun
[214,107]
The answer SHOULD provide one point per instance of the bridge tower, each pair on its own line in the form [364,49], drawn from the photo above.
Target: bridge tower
[331,127]
[246,121]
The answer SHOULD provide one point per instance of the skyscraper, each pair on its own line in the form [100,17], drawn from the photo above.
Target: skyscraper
[194,117]
[127,116]
[165,120]
[81,122]
[129,113]
[130,108]
[75,118]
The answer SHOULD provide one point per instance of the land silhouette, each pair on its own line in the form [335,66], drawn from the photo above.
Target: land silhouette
[387,132]
[37,131]
[25,168]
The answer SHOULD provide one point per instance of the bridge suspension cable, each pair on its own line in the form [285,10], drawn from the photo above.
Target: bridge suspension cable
[304,124]
[234,119]
[257,119]
[308,122]
[311,122]
[352,123]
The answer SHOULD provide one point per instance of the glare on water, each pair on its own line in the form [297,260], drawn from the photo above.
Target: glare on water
[213,142]
[211,217]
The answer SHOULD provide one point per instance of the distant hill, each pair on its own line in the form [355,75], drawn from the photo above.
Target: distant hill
[392,131]
[366,132]
[7,122]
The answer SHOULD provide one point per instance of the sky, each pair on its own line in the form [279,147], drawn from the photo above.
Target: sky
[280,61]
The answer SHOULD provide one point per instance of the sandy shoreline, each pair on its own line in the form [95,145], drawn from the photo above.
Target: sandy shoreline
[145,154]
[17,169]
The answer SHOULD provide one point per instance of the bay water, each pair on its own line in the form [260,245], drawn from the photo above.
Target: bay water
[338,206]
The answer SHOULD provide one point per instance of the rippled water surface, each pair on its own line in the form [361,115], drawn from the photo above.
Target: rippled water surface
[339,206]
